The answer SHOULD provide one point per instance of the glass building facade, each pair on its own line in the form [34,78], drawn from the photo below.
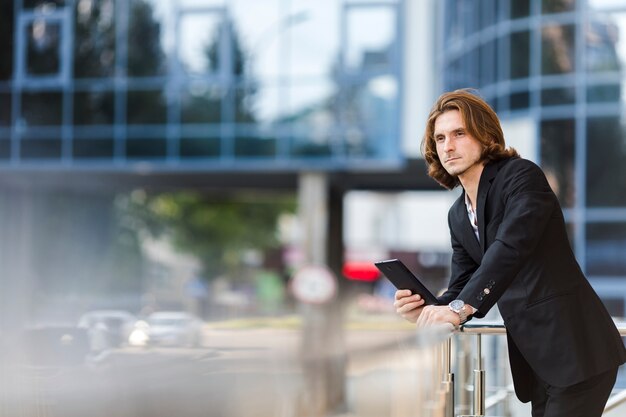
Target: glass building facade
[562,65]
[199,83]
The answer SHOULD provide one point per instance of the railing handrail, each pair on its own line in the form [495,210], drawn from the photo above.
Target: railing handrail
[497,327]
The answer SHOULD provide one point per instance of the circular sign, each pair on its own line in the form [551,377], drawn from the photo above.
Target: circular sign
[314,285]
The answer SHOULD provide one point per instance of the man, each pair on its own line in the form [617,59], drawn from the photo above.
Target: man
[510,246]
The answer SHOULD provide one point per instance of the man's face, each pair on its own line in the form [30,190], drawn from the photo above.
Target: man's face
[458,151]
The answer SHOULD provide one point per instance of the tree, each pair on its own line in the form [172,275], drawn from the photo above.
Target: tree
[204,105]
[145,53]
[216,230]
[244,97]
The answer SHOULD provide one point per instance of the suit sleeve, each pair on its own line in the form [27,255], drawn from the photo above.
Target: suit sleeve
[461,270]
[529,203]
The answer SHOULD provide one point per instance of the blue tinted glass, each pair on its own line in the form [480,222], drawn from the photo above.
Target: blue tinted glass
[606,246]
[606,171]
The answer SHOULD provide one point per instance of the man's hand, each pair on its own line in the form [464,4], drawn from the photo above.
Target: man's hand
[408,305]
[432,315]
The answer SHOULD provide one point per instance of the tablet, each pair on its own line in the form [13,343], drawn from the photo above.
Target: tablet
[403,279]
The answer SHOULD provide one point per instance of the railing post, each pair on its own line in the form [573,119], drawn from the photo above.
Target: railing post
[478,403]
[448,379]
[479,380]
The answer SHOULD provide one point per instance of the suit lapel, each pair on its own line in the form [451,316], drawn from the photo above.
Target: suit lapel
[486,178]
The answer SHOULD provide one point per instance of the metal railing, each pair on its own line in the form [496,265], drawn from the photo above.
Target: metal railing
[480,403]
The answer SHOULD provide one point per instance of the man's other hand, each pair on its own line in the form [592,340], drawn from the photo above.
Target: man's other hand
[408,305]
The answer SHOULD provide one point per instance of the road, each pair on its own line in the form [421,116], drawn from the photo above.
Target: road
[245,372]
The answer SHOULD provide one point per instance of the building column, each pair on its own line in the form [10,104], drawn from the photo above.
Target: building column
[323,346]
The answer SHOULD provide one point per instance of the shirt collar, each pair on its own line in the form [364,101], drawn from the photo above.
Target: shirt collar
[468,203]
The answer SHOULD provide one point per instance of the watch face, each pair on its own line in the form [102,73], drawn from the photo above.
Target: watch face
[457,305]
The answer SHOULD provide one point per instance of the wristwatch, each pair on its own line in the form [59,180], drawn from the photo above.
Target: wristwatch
[458,306]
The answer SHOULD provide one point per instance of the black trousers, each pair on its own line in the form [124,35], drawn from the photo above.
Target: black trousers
[585,399]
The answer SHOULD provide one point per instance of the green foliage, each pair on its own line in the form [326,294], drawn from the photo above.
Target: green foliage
[218,230]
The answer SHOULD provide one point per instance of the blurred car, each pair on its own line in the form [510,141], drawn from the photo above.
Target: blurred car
[54,346]
[108,328]
[168,328]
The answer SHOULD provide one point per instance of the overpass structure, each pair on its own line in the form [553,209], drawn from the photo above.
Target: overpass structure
[216,96]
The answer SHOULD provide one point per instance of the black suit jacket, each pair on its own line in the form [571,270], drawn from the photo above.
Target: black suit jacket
[556,324]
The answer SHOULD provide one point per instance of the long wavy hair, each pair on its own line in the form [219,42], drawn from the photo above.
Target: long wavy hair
[481,122]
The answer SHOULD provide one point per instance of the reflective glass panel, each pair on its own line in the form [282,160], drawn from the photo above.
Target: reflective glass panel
[313,38]
[41,109]
[606,170]
[146,57]
[7,41]
[92,148]
[370,50]
[146,148]
[200,39]
[488,63]
[488,15]
[5,109]
[200,147]
[251,143]
[557,6]
[454,17]
[369,114]
[604,93]
[465,70]
[519,52]
[93,108]
[44,4]
[473,15]
[312,104]
[520,8]
[558,49]
[43,40]
[311,144]
[604,4]
[263,102]
[40,148]
[605,43]
[201,103]
[558,96]
[146,107]
[94,39]
[196,3]
[370,1]
[454,75]
[5,147]
[606,246]
[246,104]
[520,100]
[262,28]
[557,158]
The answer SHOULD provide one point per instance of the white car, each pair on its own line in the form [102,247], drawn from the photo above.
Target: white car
[168,328]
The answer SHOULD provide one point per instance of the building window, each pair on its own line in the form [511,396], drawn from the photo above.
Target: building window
[606,171]
[519,48]
[557,49]
[557,158]
[606,246]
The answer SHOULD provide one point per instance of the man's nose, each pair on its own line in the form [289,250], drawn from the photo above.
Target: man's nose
[447,145]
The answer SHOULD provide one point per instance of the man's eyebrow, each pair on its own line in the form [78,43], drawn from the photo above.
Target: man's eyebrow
[456,129]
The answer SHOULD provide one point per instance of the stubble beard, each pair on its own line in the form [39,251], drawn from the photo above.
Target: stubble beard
[459,171]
